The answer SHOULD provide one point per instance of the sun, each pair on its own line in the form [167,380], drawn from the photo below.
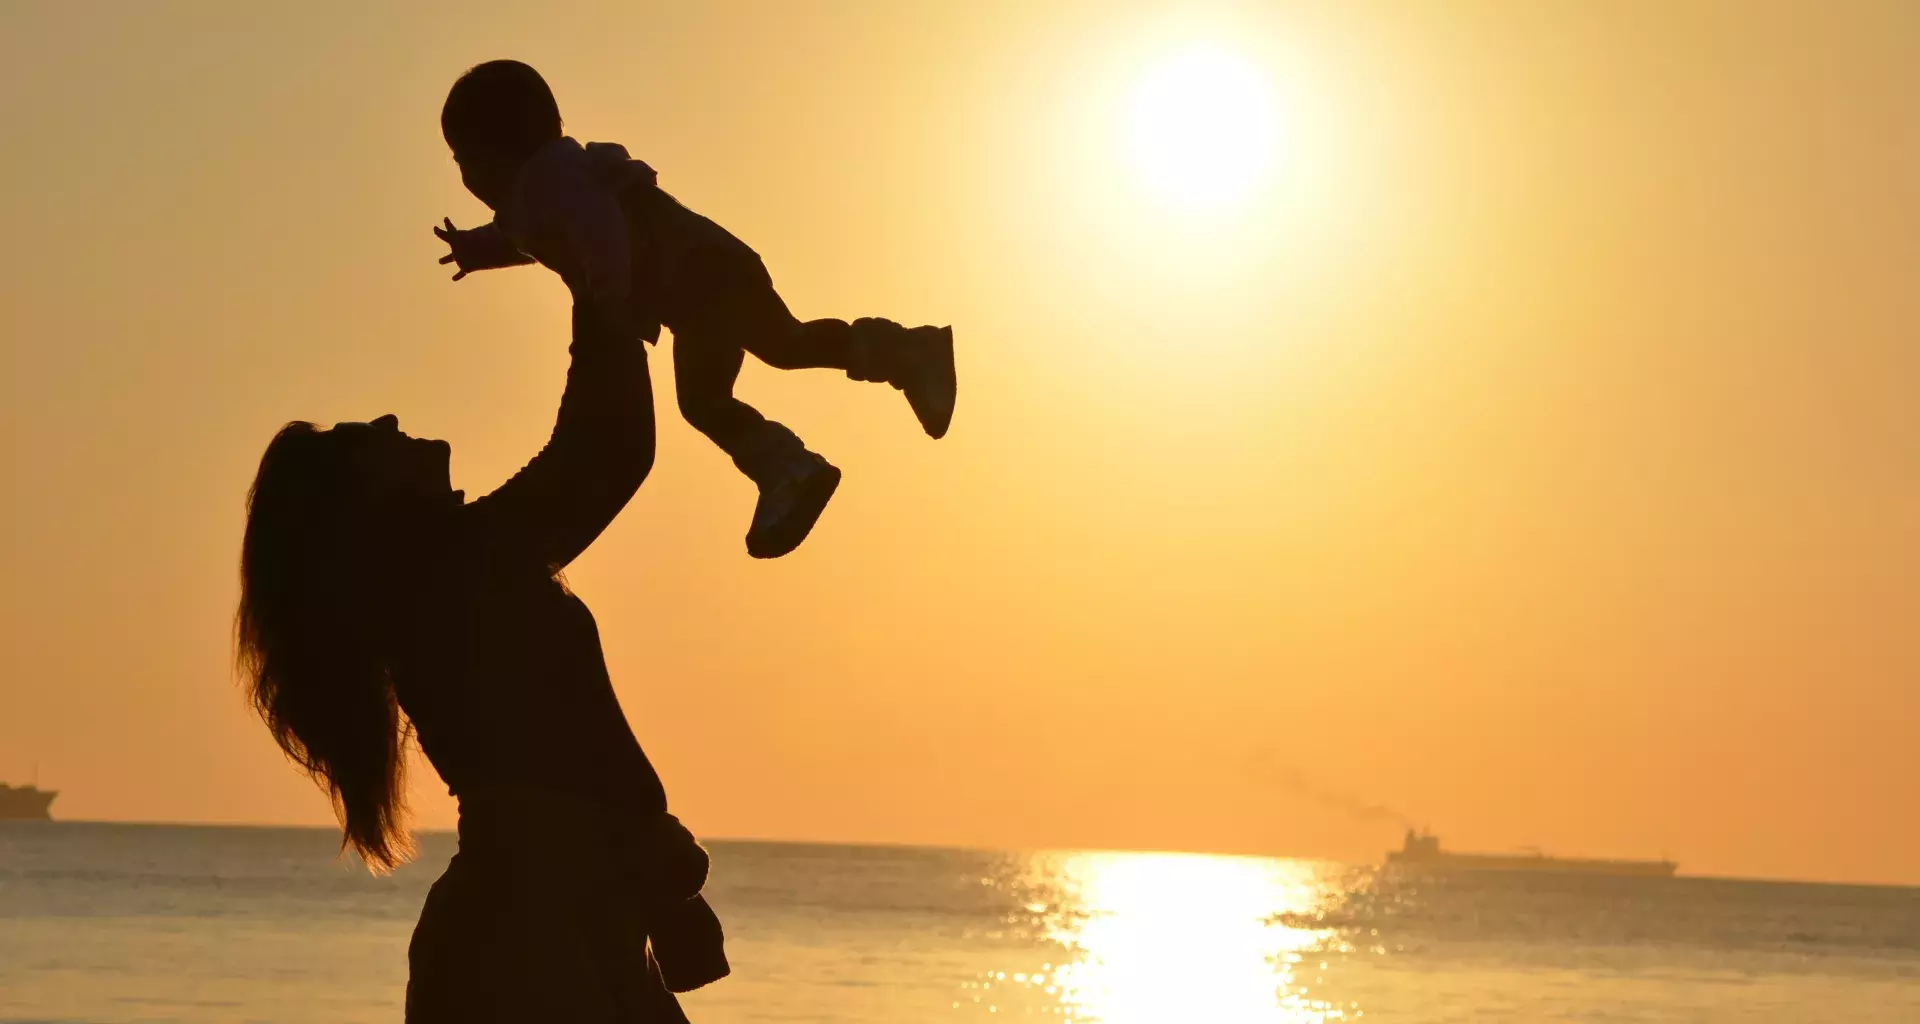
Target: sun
[1201,128]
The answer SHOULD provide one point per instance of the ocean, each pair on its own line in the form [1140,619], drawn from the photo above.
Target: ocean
[116,924]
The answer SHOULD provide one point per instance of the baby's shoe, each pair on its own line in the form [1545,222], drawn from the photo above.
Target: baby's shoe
[918,361]
[924,373]
[793,493]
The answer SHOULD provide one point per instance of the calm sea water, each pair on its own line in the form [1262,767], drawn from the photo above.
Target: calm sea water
[123,923]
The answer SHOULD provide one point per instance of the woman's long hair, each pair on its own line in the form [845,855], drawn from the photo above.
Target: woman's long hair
[316,574]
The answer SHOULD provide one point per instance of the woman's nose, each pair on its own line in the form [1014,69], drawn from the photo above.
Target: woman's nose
[387,422]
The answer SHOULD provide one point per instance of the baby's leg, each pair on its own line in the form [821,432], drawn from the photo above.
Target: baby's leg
[918,360]
[706,363]
[789,344]
[865,349]
[769,331]
[869,349]
[795,484]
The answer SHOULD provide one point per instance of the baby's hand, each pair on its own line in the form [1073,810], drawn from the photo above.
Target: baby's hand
[481,248]
[457,253]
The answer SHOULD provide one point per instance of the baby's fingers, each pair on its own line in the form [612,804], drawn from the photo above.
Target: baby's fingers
[460,275]
[448,258]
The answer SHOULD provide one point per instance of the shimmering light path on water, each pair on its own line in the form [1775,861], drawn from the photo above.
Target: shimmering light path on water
[1154,936]
[115,924]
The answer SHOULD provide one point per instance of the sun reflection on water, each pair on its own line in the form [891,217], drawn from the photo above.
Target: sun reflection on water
[1151,938]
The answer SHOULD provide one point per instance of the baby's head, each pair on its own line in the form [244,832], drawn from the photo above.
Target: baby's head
[498,114]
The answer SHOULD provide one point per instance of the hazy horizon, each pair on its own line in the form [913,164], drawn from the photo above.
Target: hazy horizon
[347,855]
[1529,449]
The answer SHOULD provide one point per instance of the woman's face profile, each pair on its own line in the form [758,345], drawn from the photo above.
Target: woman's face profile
[394,463]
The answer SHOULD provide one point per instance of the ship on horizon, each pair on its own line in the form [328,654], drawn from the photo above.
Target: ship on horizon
[25,803]
[1422,852]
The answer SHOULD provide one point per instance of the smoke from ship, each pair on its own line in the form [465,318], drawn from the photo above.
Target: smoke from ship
[1291,778]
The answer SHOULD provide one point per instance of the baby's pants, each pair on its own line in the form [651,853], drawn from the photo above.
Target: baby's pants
[724,306]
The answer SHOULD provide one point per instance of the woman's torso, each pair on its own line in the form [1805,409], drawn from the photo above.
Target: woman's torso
[505,682]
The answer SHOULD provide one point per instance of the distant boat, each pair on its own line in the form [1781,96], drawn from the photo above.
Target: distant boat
[25,803]
[1422,853]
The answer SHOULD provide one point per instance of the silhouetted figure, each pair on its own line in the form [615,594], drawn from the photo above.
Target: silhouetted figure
[602,222]
[375,601]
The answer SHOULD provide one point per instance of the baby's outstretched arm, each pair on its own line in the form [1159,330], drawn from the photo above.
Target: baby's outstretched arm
[483,248]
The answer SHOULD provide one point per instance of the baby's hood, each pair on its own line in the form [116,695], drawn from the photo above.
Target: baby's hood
[611,164]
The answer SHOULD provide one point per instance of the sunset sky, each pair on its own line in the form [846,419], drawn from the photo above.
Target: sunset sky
[1517,431]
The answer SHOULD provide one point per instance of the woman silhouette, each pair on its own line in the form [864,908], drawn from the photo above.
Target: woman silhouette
[376,601]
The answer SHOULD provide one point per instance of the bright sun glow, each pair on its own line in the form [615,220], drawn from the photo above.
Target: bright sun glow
[1202,128]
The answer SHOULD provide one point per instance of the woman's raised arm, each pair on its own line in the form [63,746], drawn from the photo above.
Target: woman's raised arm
[600,451]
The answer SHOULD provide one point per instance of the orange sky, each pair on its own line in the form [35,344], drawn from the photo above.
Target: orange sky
[1532,451]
